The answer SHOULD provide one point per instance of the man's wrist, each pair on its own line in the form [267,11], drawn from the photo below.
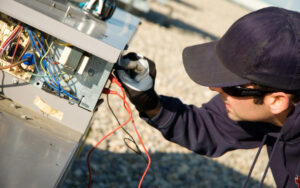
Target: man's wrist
[145,101]
[153,112]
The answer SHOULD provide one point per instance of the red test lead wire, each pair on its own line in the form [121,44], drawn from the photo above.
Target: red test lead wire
[127,108]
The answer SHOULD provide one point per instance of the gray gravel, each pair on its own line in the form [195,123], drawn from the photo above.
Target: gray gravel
[114,164]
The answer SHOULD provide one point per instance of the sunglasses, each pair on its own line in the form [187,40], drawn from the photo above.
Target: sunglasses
[240,91]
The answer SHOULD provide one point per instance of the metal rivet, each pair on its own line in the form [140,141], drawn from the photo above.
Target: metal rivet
[15,81]
[91,72]
[24,117]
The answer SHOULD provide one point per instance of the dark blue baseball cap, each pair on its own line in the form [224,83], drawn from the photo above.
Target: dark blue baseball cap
[262,47]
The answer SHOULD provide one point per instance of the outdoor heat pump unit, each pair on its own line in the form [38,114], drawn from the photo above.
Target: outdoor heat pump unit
[55,59]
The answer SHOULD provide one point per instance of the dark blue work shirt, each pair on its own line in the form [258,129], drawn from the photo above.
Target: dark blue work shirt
[208,131]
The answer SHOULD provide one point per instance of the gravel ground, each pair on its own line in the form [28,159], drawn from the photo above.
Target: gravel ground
[114,164]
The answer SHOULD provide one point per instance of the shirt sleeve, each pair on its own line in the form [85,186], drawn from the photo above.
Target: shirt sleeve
[206,130]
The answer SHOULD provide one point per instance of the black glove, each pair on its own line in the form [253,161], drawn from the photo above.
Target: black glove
[137,75]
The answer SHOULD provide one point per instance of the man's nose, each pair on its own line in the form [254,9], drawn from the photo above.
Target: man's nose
[217,89]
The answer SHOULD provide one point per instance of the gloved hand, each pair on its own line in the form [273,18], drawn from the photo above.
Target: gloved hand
[137,75]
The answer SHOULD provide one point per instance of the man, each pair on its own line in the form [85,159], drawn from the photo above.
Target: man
[255,68]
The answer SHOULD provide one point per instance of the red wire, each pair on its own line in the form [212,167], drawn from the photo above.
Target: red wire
[127,108]
[20,33]
[89,154]
[10,37]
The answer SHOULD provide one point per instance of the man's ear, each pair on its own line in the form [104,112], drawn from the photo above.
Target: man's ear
[277,102]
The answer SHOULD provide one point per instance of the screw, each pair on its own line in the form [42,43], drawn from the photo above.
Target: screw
[91,72]
[24,117]
[15,106]
[15,81]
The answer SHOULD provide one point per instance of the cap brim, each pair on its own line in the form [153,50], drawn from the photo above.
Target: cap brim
[204,67]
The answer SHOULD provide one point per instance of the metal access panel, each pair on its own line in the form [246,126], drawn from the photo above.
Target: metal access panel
[72,25]
[35,151]
[55,60]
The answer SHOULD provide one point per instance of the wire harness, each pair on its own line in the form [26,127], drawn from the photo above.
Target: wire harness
[130,119]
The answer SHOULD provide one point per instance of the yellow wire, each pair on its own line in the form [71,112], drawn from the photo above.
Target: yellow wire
[48,73]
[63,44]
[41,61]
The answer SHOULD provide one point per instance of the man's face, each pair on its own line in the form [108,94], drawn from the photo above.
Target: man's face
[244,108]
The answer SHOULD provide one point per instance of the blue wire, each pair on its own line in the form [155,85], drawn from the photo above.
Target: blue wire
[69,95]
[31,41]
[55,78]
[43,50]
[53,67]
[31,37]
[55,88]
[49,59]
[62,89]
[42,38]
[44,61]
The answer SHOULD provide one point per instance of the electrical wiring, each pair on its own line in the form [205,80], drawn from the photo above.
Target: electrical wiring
[127,108]
[41,54]
[12,65]
[7,44]
[69,95]
[51,55]
[131,139]
[62,44]
[89,154]
[41,61]
[56,87]
[42,39]
[33,42]
[24,51]
[55,78]
[8,40]
[33,48]
[39,42]
[17,44]
[55,73]
[66,79]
